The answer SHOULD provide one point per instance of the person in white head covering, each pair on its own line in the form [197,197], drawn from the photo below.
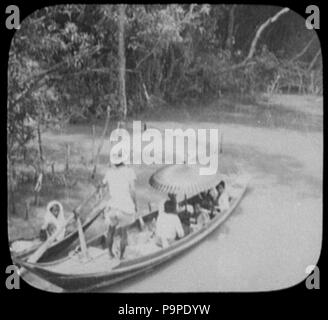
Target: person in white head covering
[121,206]
[54,220]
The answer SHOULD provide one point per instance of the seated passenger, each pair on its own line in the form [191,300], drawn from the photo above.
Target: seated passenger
[208,198]
[194,199]
[184,214]
[168,224]
[204,200]
[207,201]
[173,199]
[203,215]
[53,220]
[186,205]
[222,203]
[213,194]
[200,217]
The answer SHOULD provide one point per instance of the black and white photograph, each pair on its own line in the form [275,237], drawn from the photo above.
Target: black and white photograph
[165,148]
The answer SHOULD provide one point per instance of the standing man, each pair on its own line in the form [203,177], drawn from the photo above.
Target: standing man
[121,206]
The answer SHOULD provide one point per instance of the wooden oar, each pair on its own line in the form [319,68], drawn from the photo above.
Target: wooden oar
[81,235]
[76,212]
[34,257]
[141,223]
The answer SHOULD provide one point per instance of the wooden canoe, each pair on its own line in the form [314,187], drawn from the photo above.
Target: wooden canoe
[58,249]
[102,272]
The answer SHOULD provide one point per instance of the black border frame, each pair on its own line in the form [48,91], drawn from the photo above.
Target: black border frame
[109,302]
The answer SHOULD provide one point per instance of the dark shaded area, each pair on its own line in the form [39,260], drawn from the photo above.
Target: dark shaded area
[252,114]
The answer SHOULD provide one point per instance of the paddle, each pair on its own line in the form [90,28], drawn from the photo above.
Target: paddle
[34,257]
[79,225]
[81,235]
[141,223]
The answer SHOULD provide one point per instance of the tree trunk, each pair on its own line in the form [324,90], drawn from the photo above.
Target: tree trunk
[68,155]
[158,76]
[40,146]
[27,210]
[261,29]
[102,141]
[231,24]
[314,60]
[170,71]
[93,143]
[121,53]
[11,194]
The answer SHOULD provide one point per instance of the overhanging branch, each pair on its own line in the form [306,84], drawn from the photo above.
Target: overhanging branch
[261,29]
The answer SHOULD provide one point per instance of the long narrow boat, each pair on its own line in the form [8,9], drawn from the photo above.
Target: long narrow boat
[58,249]
[73,275]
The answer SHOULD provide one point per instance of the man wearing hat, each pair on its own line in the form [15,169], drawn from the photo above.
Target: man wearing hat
[121,206]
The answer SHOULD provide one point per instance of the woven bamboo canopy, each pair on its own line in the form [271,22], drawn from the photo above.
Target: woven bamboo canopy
[183,179]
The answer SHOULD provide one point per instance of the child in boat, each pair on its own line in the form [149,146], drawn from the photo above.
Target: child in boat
[53,220]
[168,224]
[121,205]
[222,202]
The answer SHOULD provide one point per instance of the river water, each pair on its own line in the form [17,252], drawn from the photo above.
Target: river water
[273,235]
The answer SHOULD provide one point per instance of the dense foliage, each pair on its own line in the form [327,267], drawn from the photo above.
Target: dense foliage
[63,63]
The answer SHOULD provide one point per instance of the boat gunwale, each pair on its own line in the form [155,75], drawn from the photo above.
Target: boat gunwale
[25,253]
[150,260]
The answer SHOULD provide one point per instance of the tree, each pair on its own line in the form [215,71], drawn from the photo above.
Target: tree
[121,54]
[129,57]
[231,25]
